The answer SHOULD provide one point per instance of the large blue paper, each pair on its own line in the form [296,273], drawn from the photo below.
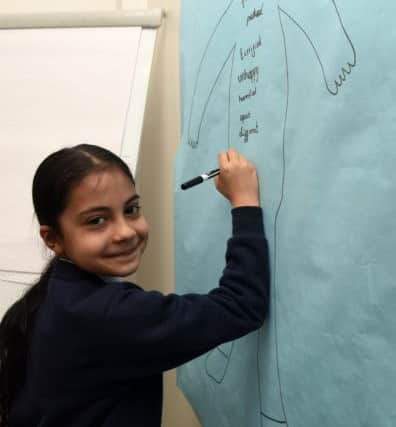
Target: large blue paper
[305,89]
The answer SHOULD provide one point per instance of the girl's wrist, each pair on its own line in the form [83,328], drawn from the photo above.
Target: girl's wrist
[245,201]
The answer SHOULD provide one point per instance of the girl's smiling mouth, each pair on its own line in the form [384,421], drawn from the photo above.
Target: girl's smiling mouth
[125,253]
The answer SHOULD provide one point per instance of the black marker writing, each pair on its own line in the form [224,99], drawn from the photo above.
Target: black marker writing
[252,75]
[244,117]
[245,133]
[251,50]
[250,94]
[255,14]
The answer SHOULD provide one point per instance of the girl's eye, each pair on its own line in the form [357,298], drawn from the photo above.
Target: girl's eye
[133,210]
[98,220]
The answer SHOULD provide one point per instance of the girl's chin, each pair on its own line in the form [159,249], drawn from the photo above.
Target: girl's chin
[124,269]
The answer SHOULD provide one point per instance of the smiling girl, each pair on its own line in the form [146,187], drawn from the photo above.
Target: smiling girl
[84,347]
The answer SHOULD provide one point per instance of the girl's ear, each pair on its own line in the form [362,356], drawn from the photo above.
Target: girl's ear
[51,240]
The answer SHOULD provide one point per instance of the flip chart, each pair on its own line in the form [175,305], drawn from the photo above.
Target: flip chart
[304,89]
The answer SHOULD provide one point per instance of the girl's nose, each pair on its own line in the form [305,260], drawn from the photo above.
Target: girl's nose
[123,230]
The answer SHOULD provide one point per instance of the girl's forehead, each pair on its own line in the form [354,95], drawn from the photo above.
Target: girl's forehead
[106,179]
[110,185]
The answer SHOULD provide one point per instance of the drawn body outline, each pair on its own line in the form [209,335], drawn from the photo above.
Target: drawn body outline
[194,141]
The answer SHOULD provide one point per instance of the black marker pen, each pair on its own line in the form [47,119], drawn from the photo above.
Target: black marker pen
[201,178]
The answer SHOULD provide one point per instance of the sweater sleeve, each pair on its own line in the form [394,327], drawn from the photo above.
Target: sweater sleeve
[147,332]
[107,335]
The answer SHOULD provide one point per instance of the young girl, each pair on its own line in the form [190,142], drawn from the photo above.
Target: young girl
[85,348]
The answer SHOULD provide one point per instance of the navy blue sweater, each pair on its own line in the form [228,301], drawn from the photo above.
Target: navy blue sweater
[98,348]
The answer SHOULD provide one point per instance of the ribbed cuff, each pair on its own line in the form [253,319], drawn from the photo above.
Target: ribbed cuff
[247,220]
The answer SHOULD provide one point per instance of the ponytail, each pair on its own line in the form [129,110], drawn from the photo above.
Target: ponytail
[15,331]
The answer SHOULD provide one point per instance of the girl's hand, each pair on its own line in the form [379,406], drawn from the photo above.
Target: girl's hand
[237,180]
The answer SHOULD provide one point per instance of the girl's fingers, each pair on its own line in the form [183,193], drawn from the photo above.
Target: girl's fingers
[223,159]
[232,154]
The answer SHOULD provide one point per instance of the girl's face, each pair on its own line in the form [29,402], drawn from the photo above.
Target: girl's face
[102,229]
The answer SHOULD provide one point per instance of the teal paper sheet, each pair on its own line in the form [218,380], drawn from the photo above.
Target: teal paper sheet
[306,90]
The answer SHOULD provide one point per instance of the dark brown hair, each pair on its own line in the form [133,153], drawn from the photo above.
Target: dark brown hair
[53,182]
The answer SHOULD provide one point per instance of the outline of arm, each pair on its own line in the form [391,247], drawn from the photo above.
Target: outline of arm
[198,109]
[345,70]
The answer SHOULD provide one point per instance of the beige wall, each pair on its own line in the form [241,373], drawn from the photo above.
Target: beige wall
[160,138]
